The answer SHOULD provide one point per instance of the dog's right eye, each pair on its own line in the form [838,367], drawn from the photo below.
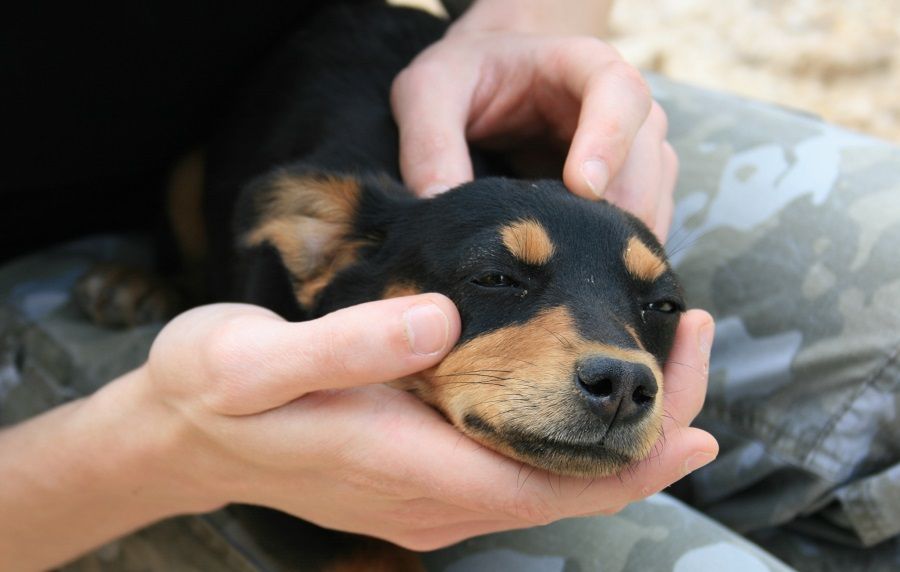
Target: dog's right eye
[495,281]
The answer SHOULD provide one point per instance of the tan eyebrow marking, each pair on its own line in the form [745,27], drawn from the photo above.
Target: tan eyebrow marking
[528,241]
[641,262]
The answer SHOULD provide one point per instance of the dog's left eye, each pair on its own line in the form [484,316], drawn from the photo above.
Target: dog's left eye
[496,281]
[663,307]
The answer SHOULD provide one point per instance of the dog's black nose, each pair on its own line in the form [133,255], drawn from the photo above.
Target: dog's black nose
[616,390]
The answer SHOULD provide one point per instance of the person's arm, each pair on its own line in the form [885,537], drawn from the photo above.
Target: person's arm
[236,405]
[84,473]
[131,454]
[557,17]
[511,75]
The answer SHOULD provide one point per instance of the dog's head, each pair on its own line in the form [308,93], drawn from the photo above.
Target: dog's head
[569,307]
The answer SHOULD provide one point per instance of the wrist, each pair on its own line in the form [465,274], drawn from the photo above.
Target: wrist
[87,472]
[549,17]
[141,448]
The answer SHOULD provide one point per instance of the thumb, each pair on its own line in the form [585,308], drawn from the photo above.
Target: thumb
[365,344]
[431,117]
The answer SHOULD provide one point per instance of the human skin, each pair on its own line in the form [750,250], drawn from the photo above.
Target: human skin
[236,405]
[512,72]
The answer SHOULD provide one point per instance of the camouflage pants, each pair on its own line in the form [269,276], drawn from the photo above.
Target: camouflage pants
[785,230]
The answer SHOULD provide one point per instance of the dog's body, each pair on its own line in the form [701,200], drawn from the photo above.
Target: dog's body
[568,306]
[321,102]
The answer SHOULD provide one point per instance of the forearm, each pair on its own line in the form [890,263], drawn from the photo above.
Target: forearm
[81,475]
[563,17]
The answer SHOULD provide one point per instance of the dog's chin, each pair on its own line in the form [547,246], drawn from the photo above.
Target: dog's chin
[601,454]
[577,449]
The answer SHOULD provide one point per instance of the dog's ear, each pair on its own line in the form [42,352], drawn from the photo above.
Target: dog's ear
[313,221]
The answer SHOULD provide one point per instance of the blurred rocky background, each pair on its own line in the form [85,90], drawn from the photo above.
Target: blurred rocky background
[839,59]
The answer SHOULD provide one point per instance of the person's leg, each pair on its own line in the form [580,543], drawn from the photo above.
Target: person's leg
[659,533]
[787,229]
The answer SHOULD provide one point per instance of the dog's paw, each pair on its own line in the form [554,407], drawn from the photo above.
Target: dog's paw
[117,296]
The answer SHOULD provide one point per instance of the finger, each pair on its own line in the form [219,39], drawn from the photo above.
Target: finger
[637,188]
[687,369]
[441,464]
[431,113]
[262,363]
[679,454]
[535,497]
[667,182]
[615,103]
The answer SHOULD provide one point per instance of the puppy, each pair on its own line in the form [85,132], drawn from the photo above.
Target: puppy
[569,307]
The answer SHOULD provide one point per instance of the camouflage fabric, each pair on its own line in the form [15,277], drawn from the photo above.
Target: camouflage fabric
[659,533]
[785,229]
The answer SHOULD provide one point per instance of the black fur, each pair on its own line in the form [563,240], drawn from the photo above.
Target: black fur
[320,106]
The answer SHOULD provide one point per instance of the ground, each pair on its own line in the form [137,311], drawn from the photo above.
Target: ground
[839,59]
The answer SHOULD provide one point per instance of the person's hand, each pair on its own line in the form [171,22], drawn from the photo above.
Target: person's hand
[292,416]
[505,90]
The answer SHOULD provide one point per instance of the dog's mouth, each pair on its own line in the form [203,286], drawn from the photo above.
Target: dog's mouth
[594,452]
[542,394]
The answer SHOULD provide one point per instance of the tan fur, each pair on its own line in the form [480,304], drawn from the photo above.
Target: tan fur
[528,241]
[308,220]
[521,378]
[344,255]
[399,289]
[641,262]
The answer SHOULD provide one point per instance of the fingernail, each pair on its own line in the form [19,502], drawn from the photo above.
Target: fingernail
[596,175]
[705,339]
[427,329]
[696,461]
[435,190]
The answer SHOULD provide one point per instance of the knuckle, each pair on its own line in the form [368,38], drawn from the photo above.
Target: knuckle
[593,48]
[226,365]
[669,154]
[415,77]
[646,212]
[658,118]
[614,138]
[225,346]
[639,201]
[429,145]
[672,158]
[629,76]
[572,54]
[405,79]
[399,86]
